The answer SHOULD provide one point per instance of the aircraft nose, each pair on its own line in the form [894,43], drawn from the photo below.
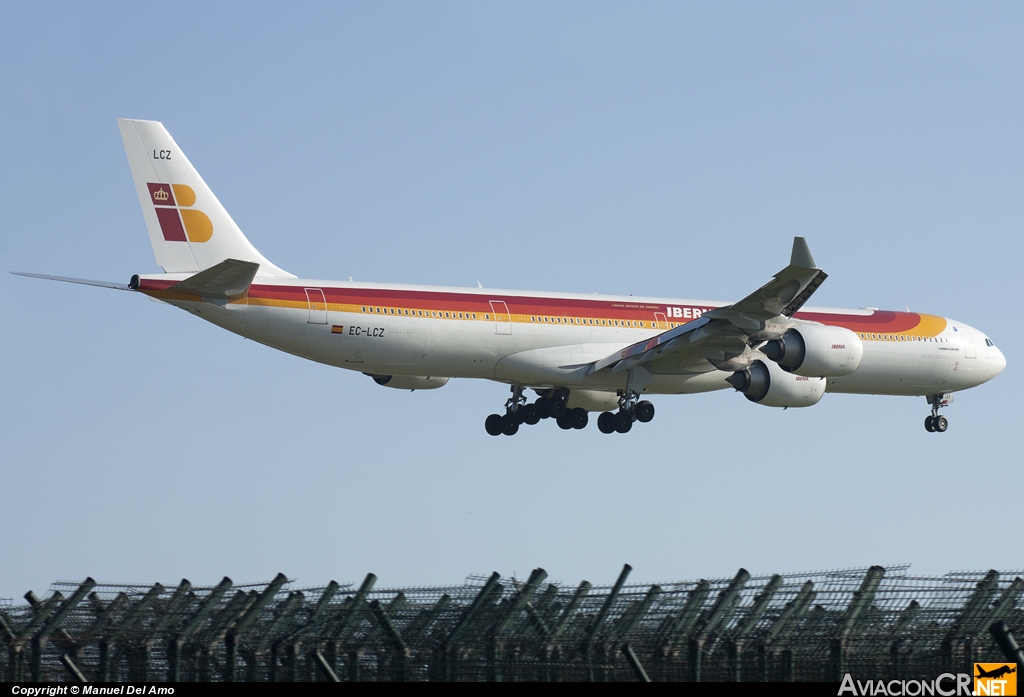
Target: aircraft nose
[999,363]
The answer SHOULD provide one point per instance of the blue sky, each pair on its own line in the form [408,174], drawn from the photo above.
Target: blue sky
[668,149]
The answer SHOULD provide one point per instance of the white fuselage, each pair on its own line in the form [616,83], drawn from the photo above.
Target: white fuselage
[546,340]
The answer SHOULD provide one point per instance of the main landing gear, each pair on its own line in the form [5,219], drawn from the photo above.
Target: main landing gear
[936,423]
[630,410]
[552,404]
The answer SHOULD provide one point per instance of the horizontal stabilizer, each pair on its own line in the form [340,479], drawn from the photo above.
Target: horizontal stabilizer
[80,281]
[229,279]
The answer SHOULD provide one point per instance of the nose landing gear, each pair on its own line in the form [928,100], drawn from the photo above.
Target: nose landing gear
[936,423]
[630,410]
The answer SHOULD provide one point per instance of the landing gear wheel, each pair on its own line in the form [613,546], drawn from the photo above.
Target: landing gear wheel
[564,422]
[623,421]
[543,405]
[531,414]
[929,424]
[579,418]
[606,422]
[493,425]
[557,408]
[509,424]
[940,424]
[644,411]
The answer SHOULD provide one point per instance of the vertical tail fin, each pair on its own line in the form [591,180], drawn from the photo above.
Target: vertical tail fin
[188,226]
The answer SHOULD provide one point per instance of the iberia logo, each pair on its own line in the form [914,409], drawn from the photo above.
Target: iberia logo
[178,221]
[995,679]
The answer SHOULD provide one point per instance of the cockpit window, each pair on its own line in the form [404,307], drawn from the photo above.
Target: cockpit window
[988,342]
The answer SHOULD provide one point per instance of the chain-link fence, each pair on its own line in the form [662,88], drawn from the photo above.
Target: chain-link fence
[879,623]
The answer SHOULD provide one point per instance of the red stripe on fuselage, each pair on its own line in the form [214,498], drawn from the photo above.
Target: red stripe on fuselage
[877,321]
[466,302]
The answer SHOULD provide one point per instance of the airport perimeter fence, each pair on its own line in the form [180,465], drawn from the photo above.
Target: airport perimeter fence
[876,623]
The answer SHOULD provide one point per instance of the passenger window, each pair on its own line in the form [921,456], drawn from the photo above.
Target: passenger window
[474,315]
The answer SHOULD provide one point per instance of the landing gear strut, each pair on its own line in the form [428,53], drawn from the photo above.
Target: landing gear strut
[936,423]
[631,409]
[515,414]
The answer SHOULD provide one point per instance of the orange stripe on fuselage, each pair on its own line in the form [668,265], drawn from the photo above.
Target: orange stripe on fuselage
[530,310]
[881,322]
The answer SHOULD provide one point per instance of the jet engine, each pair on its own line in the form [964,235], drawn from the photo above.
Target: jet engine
[764,382]
[409,382]
[816,350]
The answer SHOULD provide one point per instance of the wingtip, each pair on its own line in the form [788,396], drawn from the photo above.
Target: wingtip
[802,254]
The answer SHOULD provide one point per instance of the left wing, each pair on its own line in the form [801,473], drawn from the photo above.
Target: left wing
[728,333]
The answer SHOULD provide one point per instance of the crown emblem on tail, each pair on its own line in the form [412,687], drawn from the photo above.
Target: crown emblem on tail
[161,194]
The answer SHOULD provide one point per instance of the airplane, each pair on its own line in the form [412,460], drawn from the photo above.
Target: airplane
[999,672]
[579,353]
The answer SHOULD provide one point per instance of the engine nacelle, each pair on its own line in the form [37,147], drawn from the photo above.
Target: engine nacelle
[409,382]
[764,382]
[817,350]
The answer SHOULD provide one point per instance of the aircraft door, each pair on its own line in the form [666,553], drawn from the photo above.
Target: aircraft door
[502,318]
[660,321]
[317,306]
[965,334]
